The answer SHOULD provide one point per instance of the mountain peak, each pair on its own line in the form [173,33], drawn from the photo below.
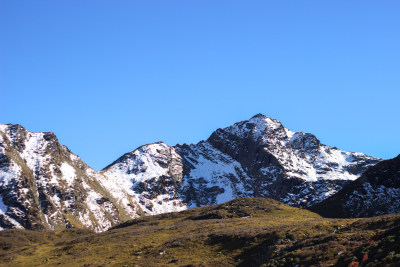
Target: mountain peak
[261,118]
[4,127]
[258,127]
[259,115]
[45,186]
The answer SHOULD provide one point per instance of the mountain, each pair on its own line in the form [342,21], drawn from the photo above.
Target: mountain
[376,192]
[253,158]
[43,185]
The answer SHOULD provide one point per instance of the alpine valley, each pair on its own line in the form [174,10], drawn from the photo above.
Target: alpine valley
[43,185]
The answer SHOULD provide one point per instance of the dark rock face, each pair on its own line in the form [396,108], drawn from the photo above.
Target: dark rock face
[251,155]
[376,192]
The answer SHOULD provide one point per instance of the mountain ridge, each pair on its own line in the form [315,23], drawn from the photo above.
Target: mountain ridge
[258,157]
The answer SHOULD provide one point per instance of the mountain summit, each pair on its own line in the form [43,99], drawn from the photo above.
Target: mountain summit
[44,185]
[258,157]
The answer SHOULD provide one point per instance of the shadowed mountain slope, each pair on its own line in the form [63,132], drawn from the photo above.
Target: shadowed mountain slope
[376,192]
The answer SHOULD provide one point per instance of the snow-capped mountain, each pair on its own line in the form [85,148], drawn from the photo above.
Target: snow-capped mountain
[254,158]
[376,192]
[44,185]
[153,174]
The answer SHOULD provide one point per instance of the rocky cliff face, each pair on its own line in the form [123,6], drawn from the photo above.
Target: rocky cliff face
[44,185]
[376,192]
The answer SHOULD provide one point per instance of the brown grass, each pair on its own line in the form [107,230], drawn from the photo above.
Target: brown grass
[242,232]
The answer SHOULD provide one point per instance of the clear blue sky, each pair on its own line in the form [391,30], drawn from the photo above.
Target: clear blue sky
[109,76]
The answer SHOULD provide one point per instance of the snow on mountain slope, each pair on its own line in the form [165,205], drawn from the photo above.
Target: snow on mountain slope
[152,173]
[43,185]
[376,192]
[214,177]
[300,153]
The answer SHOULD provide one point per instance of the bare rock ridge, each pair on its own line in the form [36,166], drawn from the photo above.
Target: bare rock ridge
[44,185]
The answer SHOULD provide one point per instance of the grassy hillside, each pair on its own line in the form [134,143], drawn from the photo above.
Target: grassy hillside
[242,232]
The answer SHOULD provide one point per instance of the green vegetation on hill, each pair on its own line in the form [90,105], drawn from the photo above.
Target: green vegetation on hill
[242,232]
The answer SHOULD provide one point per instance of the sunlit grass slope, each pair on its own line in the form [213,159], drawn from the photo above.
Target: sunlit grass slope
[242,232]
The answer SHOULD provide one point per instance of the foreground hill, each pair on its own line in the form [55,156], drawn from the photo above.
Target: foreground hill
[376,192]
[43,185]
[242,232]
